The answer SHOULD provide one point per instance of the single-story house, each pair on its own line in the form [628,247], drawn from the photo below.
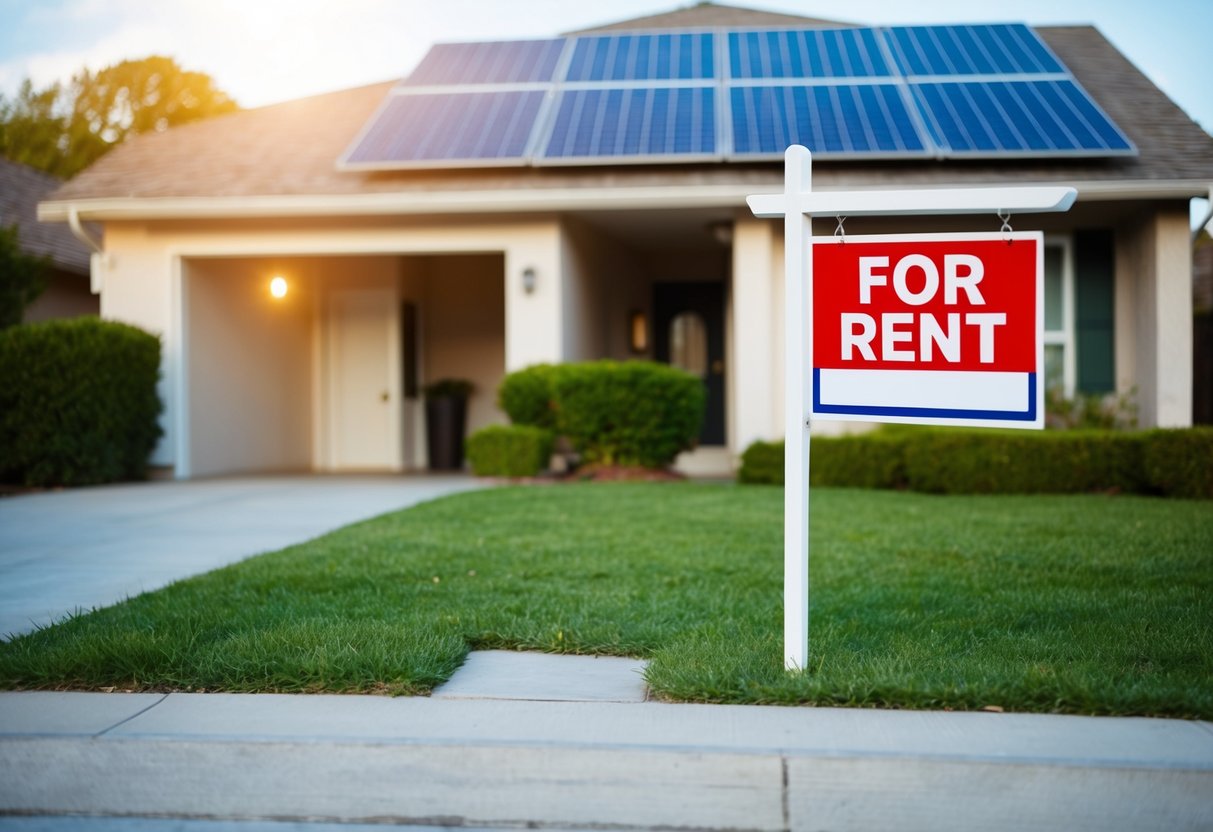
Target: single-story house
[583,197]
[67,281]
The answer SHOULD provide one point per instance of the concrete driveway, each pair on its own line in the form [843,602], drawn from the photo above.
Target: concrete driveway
[91,547]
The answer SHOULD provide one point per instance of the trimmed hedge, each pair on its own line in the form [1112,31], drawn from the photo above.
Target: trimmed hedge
[628,413]
[1174,463]
[527,396]
[78,402]
[509,451]
[1179,463]
[1006,462]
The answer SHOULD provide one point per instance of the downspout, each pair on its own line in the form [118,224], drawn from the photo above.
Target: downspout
[1208,216]
[98,261]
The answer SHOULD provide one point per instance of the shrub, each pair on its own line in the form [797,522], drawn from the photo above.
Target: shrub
[868,460]
[527,396]
[448,388]
[628,413]
[1179,463]
[78,402]
[962,461]
[762,464]
[509,451]
[1014,462]
[871,460]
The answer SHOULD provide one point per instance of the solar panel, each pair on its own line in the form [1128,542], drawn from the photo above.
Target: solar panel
[657,57]
[843,120]
[618,123]
[997,49]
[1017,117]
[807,53]
[490,127]
[500,62]
[745,94]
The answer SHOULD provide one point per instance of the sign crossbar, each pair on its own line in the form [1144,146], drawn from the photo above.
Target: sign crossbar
[797,205]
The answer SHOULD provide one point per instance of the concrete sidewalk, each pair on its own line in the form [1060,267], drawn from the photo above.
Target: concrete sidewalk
[508,763]
[64,551]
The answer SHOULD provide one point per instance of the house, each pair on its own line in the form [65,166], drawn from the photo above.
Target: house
[67,286]
[516,203]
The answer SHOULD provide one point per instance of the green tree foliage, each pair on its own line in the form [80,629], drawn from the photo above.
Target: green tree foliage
[65,128]
[22,277]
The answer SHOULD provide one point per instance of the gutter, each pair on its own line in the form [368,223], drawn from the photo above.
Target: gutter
[98,261]
[514,201]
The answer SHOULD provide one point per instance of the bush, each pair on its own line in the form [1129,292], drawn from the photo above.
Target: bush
[513,451]
[78,402]
[527,396]
[762,464]
[1015,462]
[628,413]
[1179,463]
[870,460]
[1173,463]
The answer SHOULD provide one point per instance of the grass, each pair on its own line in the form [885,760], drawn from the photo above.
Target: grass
[1076,604]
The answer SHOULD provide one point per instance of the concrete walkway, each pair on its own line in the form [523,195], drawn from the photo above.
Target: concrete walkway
[89,547]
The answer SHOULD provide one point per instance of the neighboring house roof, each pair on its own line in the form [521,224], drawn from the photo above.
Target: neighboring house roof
[21,189]
[291,150]
[707,15]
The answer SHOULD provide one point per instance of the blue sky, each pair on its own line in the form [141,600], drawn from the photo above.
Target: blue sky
[262,51]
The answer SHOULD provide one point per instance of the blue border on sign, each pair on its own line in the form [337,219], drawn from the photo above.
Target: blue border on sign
[926,412]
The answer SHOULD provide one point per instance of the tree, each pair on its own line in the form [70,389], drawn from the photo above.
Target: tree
[63,129]
[22,277]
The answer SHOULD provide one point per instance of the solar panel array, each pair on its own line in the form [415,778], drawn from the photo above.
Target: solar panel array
[978,91]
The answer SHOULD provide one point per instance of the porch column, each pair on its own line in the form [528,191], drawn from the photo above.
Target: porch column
[754,406]
[534,328]
[1155,275]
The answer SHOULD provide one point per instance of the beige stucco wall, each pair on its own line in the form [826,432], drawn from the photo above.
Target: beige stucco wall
[249,365]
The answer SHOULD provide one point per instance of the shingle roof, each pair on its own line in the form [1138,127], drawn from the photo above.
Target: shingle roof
[707,15]
[21,189]
[292,148]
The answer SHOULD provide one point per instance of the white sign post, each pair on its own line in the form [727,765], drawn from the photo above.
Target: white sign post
[797,205]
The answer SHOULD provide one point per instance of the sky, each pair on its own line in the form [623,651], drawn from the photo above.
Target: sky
[264,51]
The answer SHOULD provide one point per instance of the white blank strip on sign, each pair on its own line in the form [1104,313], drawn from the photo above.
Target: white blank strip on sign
[935,389]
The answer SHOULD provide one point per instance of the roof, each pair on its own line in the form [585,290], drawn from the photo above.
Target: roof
[21,188]
[291,150]
[708,15]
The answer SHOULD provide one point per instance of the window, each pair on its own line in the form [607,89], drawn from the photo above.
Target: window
[1059,358]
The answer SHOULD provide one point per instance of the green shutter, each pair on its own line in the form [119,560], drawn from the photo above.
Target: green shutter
[1094,313]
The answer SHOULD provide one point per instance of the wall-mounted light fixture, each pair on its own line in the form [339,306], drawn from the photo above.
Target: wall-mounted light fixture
[278,286]
[529,278]
[638,331]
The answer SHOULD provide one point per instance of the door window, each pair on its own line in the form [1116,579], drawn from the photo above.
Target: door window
[689,343]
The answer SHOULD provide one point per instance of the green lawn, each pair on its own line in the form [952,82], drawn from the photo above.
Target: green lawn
[1080,604]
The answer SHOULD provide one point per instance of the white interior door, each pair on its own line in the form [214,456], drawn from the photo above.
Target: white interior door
[363,394]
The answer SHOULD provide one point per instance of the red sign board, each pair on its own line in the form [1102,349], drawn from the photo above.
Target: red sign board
[928,328]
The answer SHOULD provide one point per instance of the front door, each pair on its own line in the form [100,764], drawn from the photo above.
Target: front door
[688,324]
[363,410]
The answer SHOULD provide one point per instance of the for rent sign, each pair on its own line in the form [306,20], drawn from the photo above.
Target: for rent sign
[928,328]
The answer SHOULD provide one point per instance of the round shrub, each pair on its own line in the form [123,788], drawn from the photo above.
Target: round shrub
[527,396]
[628,413]
[78,402]
[509,451]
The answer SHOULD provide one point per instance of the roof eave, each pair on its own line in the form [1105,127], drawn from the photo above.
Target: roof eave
[514,201]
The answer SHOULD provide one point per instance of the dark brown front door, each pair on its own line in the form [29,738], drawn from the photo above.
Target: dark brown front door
[688,324]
